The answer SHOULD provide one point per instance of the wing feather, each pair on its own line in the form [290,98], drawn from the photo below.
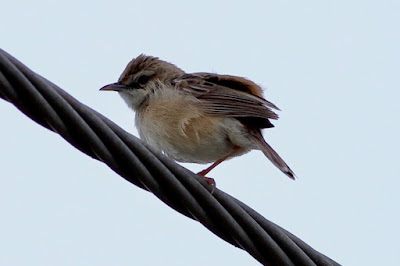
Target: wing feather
[229,96]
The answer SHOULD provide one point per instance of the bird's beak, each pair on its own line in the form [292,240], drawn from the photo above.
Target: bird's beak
[114,87]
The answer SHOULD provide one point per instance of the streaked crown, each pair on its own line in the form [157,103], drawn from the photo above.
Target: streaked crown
[144,68]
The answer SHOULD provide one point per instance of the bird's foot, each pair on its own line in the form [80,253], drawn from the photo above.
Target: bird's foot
[209,180]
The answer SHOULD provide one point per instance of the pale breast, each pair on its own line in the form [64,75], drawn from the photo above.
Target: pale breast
[175,124]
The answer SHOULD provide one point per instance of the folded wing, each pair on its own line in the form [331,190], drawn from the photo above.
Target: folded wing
[230,96]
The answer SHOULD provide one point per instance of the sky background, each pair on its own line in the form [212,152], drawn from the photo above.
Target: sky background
[331,66]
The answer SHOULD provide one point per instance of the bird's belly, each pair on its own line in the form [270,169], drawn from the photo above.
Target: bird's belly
[196,139]
[206,150]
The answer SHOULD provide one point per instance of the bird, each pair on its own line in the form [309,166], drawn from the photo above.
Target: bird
[197,117]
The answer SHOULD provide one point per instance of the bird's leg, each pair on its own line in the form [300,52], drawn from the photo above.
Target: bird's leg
[208,169]
[203,173]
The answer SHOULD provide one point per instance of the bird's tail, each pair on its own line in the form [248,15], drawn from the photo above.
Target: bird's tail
[274,157]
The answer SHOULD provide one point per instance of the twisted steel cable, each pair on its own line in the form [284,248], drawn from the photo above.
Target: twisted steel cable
[182,190]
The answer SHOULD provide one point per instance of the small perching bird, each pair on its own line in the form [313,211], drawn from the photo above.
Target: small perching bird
[197,117]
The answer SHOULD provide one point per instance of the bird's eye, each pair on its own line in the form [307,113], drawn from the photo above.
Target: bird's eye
[143,79]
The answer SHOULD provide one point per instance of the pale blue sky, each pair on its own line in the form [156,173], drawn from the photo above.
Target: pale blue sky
[331,66]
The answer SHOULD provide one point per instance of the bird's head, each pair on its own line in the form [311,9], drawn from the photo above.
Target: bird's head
[141,77]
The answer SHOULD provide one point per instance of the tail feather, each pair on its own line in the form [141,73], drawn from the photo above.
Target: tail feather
[274,157]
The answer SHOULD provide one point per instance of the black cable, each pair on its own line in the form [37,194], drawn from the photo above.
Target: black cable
[100,138]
